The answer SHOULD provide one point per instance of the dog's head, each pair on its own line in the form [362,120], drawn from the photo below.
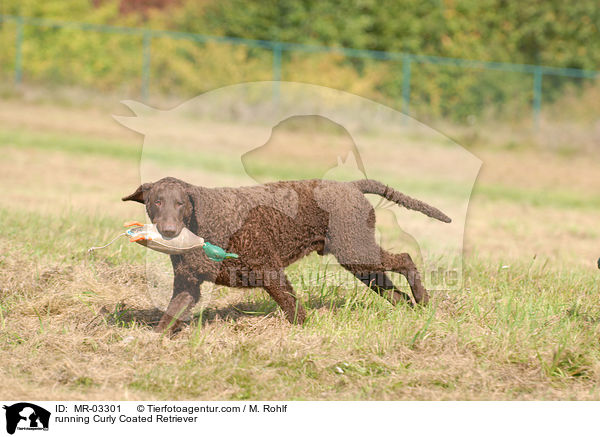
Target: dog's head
[169,204]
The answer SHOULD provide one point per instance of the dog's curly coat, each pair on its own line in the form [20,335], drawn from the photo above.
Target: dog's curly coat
[271,226]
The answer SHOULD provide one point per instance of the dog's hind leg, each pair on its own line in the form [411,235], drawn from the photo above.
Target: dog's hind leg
[380,283]
[279,288]
[402,263]
[370,268]
[351,239]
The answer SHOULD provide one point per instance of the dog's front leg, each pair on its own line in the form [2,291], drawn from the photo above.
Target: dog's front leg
[186,293]
[179,309]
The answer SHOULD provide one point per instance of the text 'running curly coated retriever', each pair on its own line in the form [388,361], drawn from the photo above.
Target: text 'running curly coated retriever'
[271,226]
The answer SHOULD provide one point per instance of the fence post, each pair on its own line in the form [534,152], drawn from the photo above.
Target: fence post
[406,62]
[537,95]
[19,52]
[146,65]
[277,49]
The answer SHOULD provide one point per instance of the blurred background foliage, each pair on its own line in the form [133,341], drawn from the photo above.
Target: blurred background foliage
[549,32]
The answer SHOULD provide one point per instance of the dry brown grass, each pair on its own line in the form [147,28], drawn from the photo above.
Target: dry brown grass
[63,338]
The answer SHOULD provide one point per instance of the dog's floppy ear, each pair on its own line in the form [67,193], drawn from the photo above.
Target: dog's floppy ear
[190,214]
[138,194]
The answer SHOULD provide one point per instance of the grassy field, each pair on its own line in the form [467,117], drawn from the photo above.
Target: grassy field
[525,325]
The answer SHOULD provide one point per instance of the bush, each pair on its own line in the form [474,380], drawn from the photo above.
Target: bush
[550,32]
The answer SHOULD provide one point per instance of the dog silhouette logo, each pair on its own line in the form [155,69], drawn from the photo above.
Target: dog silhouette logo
[239,135]
[26,416]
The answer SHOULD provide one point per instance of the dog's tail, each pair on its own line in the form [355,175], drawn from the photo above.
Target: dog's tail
[371,186]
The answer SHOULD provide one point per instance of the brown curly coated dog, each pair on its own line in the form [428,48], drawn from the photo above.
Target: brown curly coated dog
[271,226]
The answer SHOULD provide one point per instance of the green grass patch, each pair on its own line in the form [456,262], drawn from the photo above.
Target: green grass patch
[66,237]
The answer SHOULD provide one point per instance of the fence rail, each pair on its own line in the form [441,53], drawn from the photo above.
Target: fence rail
[277,47]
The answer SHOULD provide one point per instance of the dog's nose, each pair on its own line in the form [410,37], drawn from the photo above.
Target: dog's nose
[168,231]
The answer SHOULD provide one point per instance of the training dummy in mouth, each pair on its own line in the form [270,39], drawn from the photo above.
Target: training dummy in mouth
[147,235]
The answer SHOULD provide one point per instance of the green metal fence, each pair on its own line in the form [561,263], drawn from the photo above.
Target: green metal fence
[537,72]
